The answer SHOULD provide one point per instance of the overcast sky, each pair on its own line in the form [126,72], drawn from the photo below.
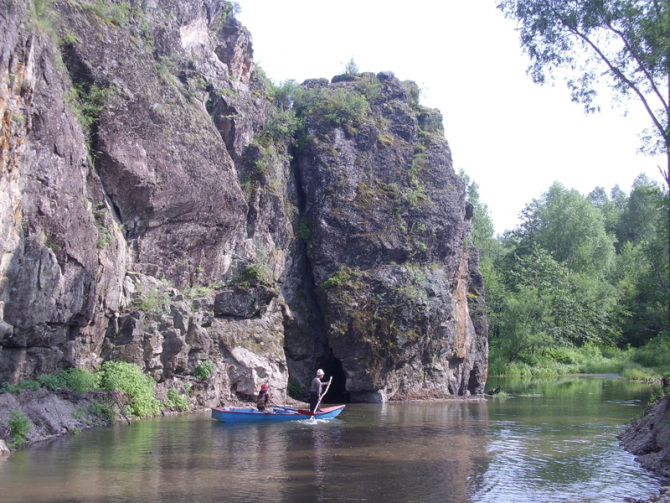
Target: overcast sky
[513,137]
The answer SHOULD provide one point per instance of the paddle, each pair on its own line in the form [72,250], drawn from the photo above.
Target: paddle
[285,408]
[321,397]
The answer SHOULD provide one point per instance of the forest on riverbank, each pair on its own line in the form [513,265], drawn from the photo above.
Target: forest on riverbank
[578,286]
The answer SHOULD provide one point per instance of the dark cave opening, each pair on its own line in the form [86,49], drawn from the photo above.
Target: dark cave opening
[337,393]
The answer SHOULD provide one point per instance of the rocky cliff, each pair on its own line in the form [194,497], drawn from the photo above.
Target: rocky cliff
[649,437]
[163,203]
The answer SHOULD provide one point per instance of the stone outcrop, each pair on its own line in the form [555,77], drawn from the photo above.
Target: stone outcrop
[164,204]
[649,438]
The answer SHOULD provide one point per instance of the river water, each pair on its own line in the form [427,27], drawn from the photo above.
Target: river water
[547,441]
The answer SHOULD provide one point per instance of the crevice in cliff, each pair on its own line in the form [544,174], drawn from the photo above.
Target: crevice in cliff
[87,97]
[306,344]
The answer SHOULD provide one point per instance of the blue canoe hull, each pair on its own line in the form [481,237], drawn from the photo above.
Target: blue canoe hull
[248,415]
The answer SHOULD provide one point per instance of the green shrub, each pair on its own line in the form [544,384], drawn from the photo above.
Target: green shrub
[351,68]
[176,400]
[204,370]
[152,301]
[19,426]
[117,13]
[193,292]
[284,95]
[15,388]
[338,108]
[43,16]
[79,380]
[129,378]
[654,354]
[294,389]
[343,277]
[303,229]
[414,93]
[51,382]
[280,127]
[638,372]
[258,272]
[103,409]
[87,103]
[370,87]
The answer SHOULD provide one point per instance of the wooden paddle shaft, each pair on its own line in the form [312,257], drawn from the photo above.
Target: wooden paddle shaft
[323,394]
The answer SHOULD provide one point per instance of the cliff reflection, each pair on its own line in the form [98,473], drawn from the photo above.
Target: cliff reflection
[550,442]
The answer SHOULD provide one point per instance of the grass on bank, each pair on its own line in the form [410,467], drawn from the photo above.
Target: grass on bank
[649,362]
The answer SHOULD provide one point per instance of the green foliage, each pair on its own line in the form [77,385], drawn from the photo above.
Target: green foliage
[176,400]
[558,281]
[51,382]
[42,7]
[303,228]
[623,44]
[564,223]
[351,67]
[103,409]
[369,86]
[294,389]
[21,385]
[19,427]
[259,272]
[414,93]
[563,360]
[78,380]
[654,354]
[337,107]
[416,194]
[152,300]
[43,17]
[204,370]
[87,103]
[343,277]
[128,377]
[117,13]
[105,235]
[430,124]
[166,67]
[251,274]
[193,292]
[285,94]
[640,216]
[281,127]
[228,8]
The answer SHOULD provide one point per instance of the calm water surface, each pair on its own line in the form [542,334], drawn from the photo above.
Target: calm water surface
[552,441]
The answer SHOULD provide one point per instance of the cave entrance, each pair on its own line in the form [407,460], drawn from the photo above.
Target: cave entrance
[338,389]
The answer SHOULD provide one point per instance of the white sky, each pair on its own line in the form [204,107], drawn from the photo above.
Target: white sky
[513,137]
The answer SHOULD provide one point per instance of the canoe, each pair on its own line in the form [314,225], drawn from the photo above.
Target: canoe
[248,415]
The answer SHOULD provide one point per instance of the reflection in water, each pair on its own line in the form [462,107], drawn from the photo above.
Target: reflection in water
[549,441]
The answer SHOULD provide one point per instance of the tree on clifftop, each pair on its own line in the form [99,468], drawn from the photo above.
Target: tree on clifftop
[622,43]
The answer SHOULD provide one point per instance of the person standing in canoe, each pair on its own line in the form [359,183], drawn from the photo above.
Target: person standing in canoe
[264,401]
[315,390]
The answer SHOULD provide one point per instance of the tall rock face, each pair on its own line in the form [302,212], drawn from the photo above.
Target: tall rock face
[388,243]
[164,204]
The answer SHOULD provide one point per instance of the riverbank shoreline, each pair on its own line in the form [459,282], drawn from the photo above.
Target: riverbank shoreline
[60,413]
[57,414]
[648,438]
